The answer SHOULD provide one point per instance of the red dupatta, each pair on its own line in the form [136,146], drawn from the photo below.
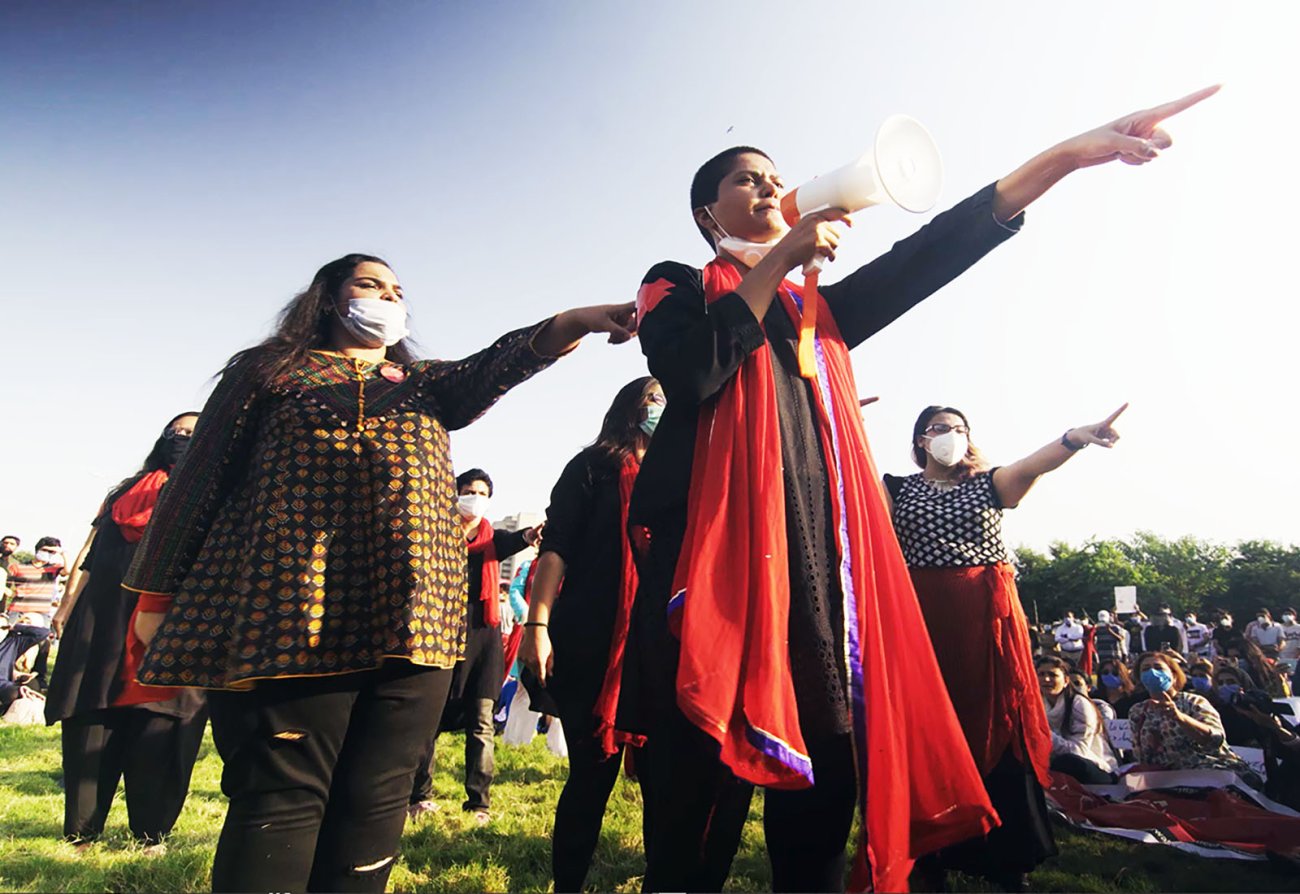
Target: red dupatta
[606,708]
[919,789]
[132,510]
[489,582]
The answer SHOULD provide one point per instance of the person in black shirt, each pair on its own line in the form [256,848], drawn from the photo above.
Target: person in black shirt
[575,634]
[1162,633]
[709,335]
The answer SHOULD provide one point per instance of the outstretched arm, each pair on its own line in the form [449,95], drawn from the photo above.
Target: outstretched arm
[1014,481]
[1134,139]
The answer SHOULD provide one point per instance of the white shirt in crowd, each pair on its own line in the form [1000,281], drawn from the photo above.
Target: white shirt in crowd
[1084,736]
[1069,635]
[1266,635]
[1198,637]
[1290,640]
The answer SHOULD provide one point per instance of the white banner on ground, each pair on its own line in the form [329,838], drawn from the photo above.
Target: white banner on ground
[1126,600]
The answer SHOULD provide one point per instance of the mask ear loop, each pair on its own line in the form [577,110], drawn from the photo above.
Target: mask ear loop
[725,234]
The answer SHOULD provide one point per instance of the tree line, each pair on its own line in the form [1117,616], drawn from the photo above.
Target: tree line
[1189,574]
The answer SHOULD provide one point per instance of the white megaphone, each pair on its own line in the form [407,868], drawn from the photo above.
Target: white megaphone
[903,167]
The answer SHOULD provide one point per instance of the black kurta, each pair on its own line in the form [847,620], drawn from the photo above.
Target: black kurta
[584,527]
[93,644]
[483,669]
[694,348]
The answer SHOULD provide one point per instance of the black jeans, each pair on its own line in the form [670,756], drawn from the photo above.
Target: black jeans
[699,810]
[152,753]
[580,812]
[318,772]
[807,829]
[480,756]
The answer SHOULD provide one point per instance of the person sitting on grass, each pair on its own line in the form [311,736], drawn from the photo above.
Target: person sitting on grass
[1178,730]
[1115,688]
[1079,746]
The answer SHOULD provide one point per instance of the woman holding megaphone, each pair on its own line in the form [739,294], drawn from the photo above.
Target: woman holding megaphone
[776,630]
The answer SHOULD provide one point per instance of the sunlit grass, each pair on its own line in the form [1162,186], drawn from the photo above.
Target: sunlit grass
[447,851]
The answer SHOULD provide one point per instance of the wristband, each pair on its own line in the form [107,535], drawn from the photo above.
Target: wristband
[534,624]
[1070,445]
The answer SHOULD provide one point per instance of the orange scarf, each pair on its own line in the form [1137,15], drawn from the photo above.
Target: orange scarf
[919,789]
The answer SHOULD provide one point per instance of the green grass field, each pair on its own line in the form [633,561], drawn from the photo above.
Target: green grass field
[447,851]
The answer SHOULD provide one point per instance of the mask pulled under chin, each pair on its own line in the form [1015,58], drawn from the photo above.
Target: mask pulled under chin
[748,253]
[948,449]
[472,505]
[375,323]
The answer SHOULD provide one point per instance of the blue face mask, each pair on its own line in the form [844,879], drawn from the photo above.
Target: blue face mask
[1202,684]
[1157,680]
[1229,692]
[651,421]
[1111,681]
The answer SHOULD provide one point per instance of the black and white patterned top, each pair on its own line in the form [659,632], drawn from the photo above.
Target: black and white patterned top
[954,527]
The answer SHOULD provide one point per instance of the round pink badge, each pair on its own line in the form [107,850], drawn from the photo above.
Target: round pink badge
[393,373]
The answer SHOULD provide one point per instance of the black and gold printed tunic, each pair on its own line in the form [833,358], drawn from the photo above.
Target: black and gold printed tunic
[311,529]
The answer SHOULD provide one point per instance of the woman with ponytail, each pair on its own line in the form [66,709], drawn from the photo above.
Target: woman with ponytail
[112,727]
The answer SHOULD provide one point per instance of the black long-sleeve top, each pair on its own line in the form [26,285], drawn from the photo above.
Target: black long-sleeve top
[694,348]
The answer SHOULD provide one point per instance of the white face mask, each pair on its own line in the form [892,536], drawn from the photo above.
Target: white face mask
[748,253]
[1288,619]
[472,505]
[948,449]
[376,323]
[47,557]
[1263,621]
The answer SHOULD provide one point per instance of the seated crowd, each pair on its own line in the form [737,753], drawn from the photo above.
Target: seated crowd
[1190,694]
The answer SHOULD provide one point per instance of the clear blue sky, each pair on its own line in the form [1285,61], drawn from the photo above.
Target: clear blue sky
[171,173]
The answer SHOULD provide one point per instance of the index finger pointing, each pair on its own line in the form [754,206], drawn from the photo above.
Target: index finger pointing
[1169,109]
[1113,416]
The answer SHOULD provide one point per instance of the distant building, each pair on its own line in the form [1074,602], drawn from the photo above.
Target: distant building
[514,523]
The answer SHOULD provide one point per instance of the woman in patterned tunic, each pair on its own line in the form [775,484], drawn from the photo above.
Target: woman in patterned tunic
[306,565]
[949,524]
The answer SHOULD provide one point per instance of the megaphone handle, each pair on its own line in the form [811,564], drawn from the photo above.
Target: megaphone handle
[815,266]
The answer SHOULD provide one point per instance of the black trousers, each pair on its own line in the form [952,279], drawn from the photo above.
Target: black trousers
[475,715]
[808,829]
[318,772]
[699,809]
[580,812]
[153,753]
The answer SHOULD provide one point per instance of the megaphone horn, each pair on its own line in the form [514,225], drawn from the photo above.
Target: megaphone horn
[903,167]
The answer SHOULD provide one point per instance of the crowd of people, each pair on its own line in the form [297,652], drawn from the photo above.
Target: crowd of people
[1190,693]
[726,596]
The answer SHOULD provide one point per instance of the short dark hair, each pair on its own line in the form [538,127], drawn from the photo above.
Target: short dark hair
[471,476]
[48,541]
[14,537]
[705,183]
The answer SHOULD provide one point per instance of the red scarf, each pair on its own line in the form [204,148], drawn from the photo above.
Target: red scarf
[489,583]
[919,789]
[131,511]
[607,703]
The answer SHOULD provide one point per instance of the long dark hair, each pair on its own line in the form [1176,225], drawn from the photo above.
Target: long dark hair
[304,325]
[620,432]
[157,459]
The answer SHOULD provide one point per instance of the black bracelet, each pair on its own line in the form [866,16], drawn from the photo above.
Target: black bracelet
[534,623]
[1070,445]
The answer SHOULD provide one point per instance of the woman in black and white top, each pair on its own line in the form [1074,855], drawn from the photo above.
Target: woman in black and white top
[948,518]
